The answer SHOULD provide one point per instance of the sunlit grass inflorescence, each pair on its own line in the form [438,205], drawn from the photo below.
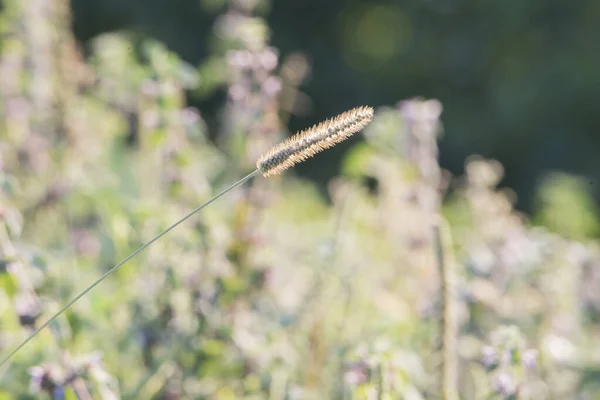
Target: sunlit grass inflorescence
[311,141]
[296,149]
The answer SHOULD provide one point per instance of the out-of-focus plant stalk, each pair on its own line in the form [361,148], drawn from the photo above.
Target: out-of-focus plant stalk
[448,320]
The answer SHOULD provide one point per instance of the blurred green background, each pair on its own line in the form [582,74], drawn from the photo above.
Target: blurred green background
[118,117]
[519,80]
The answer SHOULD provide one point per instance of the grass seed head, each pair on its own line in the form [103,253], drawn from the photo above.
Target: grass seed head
[309,142]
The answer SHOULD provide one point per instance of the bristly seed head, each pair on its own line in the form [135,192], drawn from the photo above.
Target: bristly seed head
[309,142]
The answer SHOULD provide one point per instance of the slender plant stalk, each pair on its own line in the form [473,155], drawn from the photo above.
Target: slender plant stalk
[285,155]
[116,267]
[448,321]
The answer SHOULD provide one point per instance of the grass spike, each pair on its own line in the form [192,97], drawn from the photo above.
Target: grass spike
[285,155]
[311,141]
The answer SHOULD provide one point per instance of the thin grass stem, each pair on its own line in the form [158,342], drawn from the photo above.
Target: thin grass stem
[129,257]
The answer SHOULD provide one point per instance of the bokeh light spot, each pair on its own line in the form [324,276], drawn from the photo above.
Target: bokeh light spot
[375,34]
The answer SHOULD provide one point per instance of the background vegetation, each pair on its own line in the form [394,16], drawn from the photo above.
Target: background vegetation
[518,80]
[287,289]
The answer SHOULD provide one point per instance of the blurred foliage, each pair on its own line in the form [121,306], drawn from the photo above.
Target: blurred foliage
[518,80]
[274,291]
[565,206]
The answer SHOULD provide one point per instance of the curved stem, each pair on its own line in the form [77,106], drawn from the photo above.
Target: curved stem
[129,257]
